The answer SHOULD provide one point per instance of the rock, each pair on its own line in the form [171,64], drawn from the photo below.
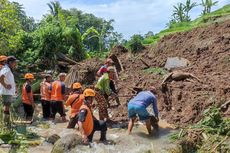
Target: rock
[66,143]
[176,62]
[53,138]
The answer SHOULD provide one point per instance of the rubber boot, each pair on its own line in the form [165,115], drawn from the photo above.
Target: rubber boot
[103,136]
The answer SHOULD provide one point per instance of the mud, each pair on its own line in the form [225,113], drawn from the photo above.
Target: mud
[182,102]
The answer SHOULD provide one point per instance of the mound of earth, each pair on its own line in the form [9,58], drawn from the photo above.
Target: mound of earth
[180,102]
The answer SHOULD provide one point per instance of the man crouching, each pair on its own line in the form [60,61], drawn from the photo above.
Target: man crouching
[88,124]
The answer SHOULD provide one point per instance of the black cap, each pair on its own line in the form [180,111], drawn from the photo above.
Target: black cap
[11,59]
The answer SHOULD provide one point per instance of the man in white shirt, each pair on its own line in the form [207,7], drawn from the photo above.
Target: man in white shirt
[7,85]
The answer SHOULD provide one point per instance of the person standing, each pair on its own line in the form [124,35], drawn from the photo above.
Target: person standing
[103,91]
[138,105]
[113,78]
[3,59]
[75,101]
[103,69]
[88,124]
[46,96]
[27,97]
[7,86]
[57,89]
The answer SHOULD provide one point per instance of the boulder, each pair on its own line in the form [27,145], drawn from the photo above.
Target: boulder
[53,138]
[66,143]
[176,62]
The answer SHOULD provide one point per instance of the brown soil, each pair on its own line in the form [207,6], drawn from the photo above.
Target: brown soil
[181,102]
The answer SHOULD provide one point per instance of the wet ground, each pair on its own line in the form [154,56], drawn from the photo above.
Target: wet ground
[118,140]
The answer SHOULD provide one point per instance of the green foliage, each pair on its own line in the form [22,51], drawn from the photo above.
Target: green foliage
[20,142]
[135,43]
[151,40]
[207,5]
[214,123]
[213,130]
[68,32]
[155,70]
[8,27]
[101,55]
[181,12]
[186,26]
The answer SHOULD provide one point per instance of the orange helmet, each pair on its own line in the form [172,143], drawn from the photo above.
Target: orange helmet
[76,85]
[3,58]
[89,93]
[29,76]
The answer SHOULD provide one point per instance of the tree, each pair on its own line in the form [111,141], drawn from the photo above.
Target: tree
[188,6]
[9,26]
[28,23]
[135,43]
[149,34]
[207,4]
[55,8]
[94,41]
[179,12]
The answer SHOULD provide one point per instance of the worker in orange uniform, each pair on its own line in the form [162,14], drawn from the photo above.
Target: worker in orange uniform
[75,101]
[27,97]
[46,95]
[57,89]
[88,124]
[3,59]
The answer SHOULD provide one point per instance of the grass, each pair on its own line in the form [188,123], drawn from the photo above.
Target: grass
[156,70]
[215,130]
[187,26]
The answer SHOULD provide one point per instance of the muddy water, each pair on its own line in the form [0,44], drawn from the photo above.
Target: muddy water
[137,142]
[118,140]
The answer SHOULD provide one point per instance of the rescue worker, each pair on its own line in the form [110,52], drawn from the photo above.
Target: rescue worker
[46,96]
[27,97]
[88,124]
[104,69]
[3,59]
[57,89]
[7,86]
[103,92]
[75,100]
[138,105]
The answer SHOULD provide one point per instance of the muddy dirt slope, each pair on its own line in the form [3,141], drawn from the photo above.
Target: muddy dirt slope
[180,102]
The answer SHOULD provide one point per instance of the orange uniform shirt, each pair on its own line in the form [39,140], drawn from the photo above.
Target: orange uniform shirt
[88,123]
[57,91]
[44,91]
[27,90]
[75,101]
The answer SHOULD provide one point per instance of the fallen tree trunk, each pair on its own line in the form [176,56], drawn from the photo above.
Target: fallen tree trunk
[67,59]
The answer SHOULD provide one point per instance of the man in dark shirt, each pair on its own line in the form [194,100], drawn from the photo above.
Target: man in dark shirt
[88,124]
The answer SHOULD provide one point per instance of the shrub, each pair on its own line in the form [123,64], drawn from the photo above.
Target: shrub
[135,43]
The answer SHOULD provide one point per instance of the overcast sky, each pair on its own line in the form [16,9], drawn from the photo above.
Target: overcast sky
[131,16]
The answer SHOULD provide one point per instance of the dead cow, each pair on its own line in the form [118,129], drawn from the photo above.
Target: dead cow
[179,76]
